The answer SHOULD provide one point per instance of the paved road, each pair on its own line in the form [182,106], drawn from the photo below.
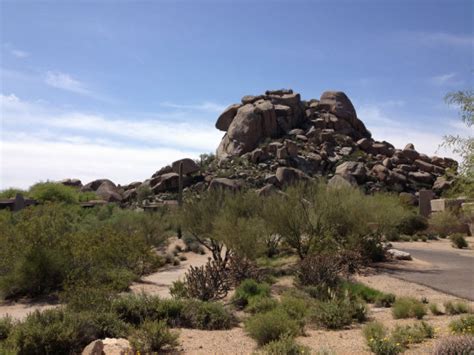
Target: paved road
[448,271]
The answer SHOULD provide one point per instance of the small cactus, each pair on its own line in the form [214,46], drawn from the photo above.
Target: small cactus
[461,344]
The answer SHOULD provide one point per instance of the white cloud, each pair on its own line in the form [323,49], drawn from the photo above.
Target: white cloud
[39,142]
[205,106]
[446,79]
[19,53]
[444,38]
[65,81]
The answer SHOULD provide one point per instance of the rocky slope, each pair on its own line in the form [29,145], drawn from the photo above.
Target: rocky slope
[276,138]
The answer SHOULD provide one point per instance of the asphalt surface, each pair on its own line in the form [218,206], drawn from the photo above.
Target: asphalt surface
[449,271]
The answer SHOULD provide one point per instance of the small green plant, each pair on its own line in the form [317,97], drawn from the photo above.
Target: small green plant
[297,308]
[407,307]
[378,340]
[458,344]
[261,304]
[434,309]
[412,224]
[412,334]
[333,314]
[284,346]
[385,300]
[463,326]
[6,326]
[206,315]
[178,289]
[458,241]
[271,326]
[12,192]
[247,289]
[153,336]
[456,307]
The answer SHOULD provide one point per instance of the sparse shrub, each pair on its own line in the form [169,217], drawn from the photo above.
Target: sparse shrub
[322,271]
[464,325]
[247,289]
[297,308]
[434,309]
[333,314]
[209,282]
[412,334]
[378,341]
[284,346]
[385,300]
[444,223]
[152,336]
[178,289]
[412,224]
[456,307]
[458,240]
[206,315]
[6,326]
[271,326]
[144,192]
[456,345]
[261,304]
[242,268]
[407,307]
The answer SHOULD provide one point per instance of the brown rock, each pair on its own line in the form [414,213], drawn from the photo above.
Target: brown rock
[189,166]
[267,190]
[288,176]
[169,181]
[226,117]
[225,184]
[109,192]
[354,169]
[421,176]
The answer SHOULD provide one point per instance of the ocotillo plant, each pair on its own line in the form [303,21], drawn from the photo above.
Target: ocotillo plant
[180,192]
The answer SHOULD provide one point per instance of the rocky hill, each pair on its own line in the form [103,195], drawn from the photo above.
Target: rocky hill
[274,139]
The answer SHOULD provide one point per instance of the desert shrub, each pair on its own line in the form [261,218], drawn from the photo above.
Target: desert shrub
[209,282]
[318,270]
[152,336]
[334,314]
[61,332]
[206,315]
[6,326]
[406,307]
[297,308]
[444,223]
[362,291]
[143,192]
[412,334]
[464,325]
[53,192]
[271,326]
[12,192]
[458,240]
[247,289]
[135,309]
[412,224]
[457,345]
[385,300]
[178,289]
[286,345]
[434,309]
[378,341]
[260,304]
[242,268]
[456,307]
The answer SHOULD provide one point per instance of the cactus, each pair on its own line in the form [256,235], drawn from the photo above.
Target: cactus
[180,194]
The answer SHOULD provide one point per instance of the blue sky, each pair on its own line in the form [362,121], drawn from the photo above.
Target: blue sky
[117,89]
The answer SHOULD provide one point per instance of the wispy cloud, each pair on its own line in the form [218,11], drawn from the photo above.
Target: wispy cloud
[55,144]
[446,79]
[205,106]
[19,53]
[444,38]
[65,81]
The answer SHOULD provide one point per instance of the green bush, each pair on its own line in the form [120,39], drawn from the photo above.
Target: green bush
[6,326]
[412,224]
[297,308]
[54,192]
[412,334]
[178,289]
[284,346]
[59,331]
[407,307]
[461,345]
[378,340]
[444,223]
[270,326]
[153,336]
[368,294]
[434,309]
[385,300]
[458,240]
[261,304]
[247,289]
[333,314]
[206,315]
[464,325]
[456,307]
[12,192]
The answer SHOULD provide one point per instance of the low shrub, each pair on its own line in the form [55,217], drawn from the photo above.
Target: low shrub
[407,307]
[456,307]
[458,344]
[261,304]
[412,334]
[206,315]
[247,289]
[6,326]
[135,309]
[334,314]
[152,336]
[463,326]
[178,289]
[53,192]
[319,270]
[444,223]
[412,224]
[12,192]
[368,294]
[434,309]
[296,308]
[284,346]
[385,300]
[458,240]
[378,341]
[271,326]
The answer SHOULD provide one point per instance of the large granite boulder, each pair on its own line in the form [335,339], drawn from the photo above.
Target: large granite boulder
[189,166]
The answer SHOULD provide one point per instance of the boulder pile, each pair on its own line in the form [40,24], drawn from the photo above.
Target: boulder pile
[275,139]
